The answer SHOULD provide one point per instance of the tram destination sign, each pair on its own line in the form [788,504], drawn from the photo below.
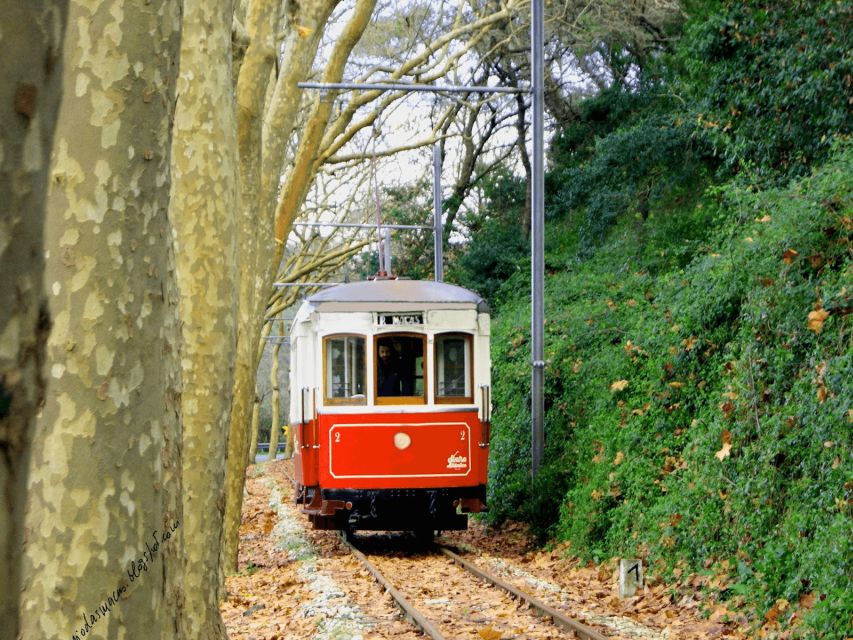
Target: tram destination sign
[399,319]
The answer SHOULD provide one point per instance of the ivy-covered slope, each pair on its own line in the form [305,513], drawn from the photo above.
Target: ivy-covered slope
[699,365]
[700,415]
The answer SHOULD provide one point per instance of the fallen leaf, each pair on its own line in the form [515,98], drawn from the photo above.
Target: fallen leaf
[640,412]
[816,320]
[764,219]
[619,458]
[725,452]
[488,633]
[807,600]
[619,385]
[789,255]
[776,610]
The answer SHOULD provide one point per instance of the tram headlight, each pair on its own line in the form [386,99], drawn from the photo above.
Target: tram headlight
[402,440]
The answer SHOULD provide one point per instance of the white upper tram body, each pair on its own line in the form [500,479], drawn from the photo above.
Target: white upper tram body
[384,307]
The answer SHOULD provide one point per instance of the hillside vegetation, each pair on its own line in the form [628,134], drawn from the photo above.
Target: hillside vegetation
[699,362]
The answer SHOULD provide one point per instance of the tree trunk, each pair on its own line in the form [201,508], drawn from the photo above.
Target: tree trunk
[203,209]
[256,418]
[252,228]
[259,176]
[104,535]
[30,84]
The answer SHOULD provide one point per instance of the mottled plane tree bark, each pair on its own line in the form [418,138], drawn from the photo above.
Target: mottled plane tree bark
[103,524]
[262,140]
[203,209]
[275,401]
[262,19]
[30,90]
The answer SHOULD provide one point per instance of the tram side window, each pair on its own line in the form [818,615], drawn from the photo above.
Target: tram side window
[400,367]
[453,368]
[344,369]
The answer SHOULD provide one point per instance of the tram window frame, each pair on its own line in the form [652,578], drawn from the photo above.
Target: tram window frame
[391,400]
[469,352]
[355,399]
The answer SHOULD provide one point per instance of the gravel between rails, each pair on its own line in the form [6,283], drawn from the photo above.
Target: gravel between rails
[461,605]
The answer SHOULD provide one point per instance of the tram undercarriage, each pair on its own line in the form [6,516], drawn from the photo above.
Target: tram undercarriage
[443,509]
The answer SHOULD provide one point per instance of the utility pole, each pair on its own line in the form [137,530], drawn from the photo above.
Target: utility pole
[537,238]
[436,209]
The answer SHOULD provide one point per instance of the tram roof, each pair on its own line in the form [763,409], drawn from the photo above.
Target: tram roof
[396,295]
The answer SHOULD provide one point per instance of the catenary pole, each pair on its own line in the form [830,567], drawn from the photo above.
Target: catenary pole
[387,236]
[537,240]
[436,208]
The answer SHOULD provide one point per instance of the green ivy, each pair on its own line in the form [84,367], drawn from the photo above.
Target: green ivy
[714,347]
[772,82]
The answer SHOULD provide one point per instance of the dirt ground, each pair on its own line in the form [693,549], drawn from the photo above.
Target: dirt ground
[294,582]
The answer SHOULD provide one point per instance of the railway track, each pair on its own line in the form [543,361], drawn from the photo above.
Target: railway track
[562,625]
[549,621]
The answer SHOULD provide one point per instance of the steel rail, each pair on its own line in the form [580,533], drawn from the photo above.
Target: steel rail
[413,614]
[581,630]
[584,632]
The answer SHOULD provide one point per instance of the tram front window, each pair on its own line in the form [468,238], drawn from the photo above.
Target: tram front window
[400,366]
[345,369]
[453,368]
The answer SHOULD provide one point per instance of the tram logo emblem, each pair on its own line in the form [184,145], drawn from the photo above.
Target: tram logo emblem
[455,461]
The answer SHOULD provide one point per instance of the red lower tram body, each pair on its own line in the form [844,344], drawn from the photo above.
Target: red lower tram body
[392,471]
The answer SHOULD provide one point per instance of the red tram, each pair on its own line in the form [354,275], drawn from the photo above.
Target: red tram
[390,405]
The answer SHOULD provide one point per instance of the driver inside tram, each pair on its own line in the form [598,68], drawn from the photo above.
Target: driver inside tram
[389,375]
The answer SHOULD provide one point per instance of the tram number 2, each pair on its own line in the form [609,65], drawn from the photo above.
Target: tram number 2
[462,434]
[337,436]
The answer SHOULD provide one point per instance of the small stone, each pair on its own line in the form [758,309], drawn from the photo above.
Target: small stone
[257,607]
